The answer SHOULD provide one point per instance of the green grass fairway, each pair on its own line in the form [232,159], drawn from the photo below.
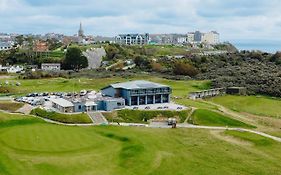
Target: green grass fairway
[30,146]
[138,116]
[82,118]
[263,106]
[210,118]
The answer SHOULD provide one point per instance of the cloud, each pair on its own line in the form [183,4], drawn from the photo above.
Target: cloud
[234,19]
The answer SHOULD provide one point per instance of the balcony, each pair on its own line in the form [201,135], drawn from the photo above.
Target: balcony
[150,92]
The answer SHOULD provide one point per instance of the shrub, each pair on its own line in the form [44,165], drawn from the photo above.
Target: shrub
[181,68]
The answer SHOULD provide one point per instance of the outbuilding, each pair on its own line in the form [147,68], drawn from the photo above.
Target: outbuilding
[62,105]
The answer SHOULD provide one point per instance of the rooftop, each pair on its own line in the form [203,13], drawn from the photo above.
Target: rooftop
[139,84]
[62,102]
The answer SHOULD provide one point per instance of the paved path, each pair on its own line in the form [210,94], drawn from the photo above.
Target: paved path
[185,125]
[232,129]
[26,109]
[97,118]
[190,114]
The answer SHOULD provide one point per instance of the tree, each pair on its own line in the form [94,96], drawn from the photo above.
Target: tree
[142,62]
[74,59]
[181,68]
[276,58]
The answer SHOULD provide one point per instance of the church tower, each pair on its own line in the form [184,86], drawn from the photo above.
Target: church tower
[81,31]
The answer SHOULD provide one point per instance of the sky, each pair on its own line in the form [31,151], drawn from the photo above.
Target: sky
[233,19]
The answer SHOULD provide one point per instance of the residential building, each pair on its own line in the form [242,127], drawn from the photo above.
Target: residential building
[197,36]
[132,39]
[6,46]
[190,37]
[40,46]
[11,69]
[139,92]
[212,37]
[51,66]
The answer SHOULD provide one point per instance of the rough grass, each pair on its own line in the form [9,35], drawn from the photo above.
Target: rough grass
[140,116]
[10,106]
[64,118]
[210,118]
[250,137]
[36,147]
[258,105]
[180,88]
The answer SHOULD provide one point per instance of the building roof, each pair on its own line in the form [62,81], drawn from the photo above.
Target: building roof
[50,64]
[62,102]
[5,44]
[90,103]
[139,84]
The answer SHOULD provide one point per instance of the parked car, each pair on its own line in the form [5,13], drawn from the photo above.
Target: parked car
[160,107]
[147,107]
[83,93]
[135,108]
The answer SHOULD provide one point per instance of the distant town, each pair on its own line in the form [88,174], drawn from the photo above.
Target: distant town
[12,40]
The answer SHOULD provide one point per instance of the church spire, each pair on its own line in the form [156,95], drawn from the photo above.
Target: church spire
[81,32]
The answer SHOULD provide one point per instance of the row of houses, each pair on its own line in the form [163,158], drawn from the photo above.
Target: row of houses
[18,68]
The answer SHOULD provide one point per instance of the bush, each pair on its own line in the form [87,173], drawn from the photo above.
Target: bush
[181,68]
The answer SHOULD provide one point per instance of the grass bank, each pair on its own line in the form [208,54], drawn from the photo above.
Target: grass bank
[139,116]
[10,106]
[63,118]
[258,105]
[210,118]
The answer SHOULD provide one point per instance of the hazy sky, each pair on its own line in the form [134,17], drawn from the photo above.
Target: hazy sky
[234,19]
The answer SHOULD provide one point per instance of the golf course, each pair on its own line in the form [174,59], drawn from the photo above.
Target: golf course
[30,145]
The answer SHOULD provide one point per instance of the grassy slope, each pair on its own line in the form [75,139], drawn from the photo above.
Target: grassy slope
[39,148]
[64,118]
[210,118]
[10,106]
[137,116]
[263,106]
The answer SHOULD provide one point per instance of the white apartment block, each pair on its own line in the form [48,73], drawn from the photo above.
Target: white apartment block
[132,39]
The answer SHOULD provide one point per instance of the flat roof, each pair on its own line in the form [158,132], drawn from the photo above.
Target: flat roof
[62,102]
[138,84]
[90,103]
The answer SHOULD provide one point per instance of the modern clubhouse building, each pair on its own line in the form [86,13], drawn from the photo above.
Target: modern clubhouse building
[139,92]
